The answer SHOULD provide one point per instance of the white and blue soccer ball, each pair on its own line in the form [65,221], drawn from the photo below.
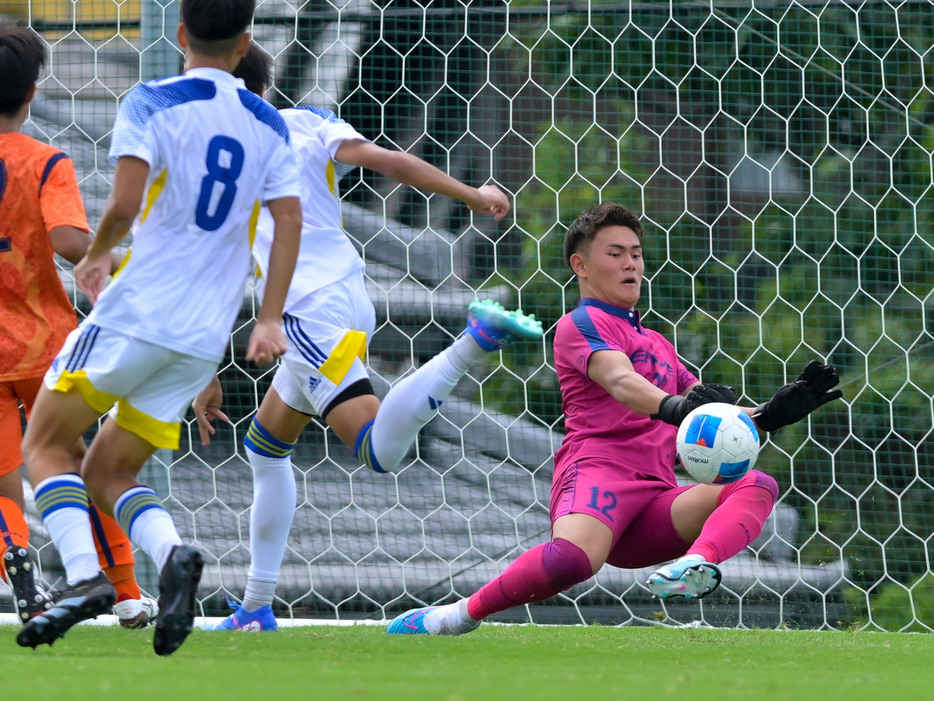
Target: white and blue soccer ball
[718,443]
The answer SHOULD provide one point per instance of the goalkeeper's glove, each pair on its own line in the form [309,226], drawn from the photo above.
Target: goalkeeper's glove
[675,407]
[810,390]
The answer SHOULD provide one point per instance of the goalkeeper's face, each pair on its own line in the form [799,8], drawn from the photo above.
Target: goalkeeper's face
[611,267]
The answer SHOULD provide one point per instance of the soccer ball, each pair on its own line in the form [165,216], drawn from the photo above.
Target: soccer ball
[718,443]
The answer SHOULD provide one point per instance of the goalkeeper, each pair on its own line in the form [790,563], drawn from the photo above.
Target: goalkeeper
[614,496]
[328,320]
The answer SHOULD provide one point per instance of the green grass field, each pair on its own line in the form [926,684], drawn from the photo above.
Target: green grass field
[496,662]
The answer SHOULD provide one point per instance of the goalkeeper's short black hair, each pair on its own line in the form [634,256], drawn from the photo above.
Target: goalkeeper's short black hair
[22,55]
[214,27]
[255,69]
[588,224]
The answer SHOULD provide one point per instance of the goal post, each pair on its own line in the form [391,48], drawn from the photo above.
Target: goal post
[780,154]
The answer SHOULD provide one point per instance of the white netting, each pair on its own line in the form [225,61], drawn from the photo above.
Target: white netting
[781,154]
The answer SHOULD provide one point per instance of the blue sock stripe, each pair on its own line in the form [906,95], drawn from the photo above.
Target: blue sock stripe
[262,442]
[101,536]
[5,530]
[131,507]
[61,494]
[363,448]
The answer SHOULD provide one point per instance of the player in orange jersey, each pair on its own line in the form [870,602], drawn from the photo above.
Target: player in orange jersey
[41,214]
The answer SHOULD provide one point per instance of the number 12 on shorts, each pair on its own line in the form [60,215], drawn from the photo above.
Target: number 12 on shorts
[604,503]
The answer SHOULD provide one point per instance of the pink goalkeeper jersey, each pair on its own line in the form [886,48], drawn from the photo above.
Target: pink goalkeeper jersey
[598,426]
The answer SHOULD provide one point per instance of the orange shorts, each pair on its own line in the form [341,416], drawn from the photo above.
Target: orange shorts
[12,393]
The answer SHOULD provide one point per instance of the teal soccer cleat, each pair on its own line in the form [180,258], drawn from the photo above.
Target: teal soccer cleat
[449,619]
[690,576]
[262,620]
[411,622]
[493,327]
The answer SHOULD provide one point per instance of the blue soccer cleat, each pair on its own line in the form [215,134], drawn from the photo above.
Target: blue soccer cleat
[450,619]
[493,327]
[691,577]
[412,622]
[261,620]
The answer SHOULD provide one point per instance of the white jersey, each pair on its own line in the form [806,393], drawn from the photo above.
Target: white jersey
[326,254]
[215,151]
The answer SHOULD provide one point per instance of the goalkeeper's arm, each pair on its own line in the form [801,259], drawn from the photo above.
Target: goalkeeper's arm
[614,372]
[810,390]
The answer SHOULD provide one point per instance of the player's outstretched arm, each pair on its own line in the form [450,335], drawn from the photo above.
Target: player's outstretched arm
[813,388]
[267,341]
[411,170]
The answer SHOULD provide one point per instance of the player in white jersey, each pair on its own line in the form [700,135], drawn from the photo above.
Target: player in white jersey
[204,151]
[329,320]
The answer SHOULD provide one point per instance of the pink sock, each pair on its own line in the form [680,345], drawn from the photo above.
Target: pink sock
[738,520]
[536,575]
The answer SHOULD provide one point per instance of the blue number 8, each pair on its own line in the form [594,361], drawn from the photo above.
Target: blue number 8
[226,175]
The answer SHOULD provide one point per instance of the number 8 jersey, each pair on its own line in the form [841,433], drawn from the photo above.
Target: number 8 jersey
[215,152]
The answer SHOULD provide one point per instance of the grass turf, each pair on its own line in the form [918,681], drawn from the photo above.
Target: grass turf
[495,662]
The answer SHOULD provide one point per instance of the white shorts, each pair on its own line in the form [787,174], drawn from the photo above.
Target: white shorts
[328,333]
[146,388]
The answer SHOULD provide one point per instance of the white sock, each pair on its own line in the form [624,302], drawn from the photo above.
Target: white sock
[271,515]
[152,529]
[62,502]
[414,400]
[450,619]
[71,532]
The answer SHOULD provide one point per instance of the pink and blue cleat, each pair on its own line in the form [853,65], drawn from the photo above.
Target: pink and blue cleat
[690,576]
[262,620]
[449,619]
[411,622]
[492,326]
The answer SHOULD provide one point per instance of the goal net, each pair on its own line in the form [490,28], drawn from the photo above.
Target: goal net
[780,154]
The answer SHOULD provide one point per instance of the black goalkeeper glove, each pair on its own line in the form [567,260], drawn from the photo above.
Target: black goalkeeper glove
[674,407]
[793,402]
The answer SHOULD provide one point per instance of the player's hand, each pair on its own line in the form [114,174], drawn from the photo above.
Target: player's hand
[709,393]
[267,342]
[91,275]
[207,407]
[674,408]
[491,200]
[811,390]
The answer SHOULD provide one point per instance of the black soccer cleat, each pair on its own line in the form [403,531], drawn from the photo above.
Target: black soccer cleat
[28,599]
[75,603]
[178,584]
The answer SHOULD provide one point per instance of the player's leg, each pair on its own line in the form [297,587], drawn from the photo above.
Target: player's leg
[16,565]
[114,459]
[712,522]
[414,400]
[145,419]
[115,556]
[57,421]
[268,445]
[577,550]
[583,532]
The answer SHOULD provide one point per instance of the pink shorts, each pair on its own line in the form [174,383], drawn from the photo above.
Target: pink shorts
[637,510]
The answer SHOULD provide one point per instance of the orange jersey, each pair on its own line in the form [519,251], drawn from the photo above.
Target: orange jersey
[38,192]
